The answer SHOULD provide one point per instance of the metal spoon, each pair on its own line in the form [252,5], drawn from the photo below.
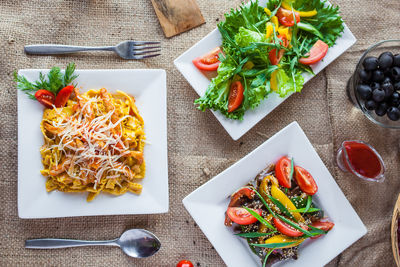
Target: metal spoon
[136,243]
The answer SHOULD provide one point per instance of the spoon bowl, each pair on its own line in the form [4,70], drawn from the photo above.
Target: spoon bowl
[139,243]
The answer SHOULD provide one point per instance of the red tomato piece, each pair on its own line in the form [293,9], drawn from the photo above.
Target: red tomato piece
[305,181]
[285,17]
[274,56]
[63,96]
[184,263]
[244,191]
[242,216]
[317,52]
[46,98]
[286,229]
[209,61]
[283,169]
[235,96]
[326,226]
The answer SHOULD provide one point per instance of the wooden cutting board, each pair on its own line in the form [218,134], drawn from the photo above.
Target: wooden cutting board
[177,16]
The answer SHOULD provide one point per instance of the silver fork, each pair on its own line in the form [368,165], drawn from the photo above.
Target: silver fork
[126,49]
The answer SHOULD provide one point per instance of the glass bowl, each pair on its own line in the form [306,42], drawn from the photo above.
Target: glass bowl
[375,50]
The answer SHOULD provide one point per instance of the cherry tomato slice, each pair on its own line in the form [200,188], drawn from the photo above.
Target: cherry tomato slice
[282,171]
[209,61]
[242,216]
[305,181]
[285,17]
[326,226]
[286,229]
[235,96]
[184,263]
[276,57]
[63,96]
[46,98]
[317,52]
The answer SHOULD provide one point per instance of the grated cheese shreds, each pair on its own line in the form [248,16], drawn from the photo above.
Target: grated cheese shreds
[95,138]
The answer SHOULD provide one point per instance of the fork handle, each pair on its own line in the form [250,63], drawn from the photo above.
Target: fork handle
[52,243]
[51,49]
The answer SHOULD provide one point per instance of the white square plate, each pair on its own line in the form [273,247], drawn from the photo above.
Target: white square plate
[200,82]
[149,89]
[208,203]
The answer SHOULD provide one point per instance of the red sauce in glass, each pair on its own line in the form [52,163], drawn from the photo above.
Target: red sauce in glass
[363,159]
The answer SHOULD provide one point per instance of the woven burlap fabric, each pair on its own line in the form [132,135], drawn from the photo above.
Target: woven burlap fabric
[195,140]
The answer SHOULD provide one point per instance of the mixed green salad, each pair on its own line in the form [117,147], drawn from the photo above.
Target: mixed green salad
[266,49]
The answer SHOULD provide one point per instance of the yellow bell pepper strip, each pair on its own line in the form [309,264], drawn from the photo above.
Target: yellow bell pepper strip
[275,21]
[279,195]
[264,190]
[270,30]
[284,239]
[273,81]
[248,66]
[286,31]
[267,11]
[304,14]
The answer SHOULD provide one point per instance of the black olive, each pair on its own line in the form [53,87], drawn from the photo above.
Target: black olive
[365,76]
[395,99]
[397,86]
[378,76]
[396,60]
[370,63]
[371,105]
[375,85]
[396,73]
[387,79]
[381,110]
[385,60]
[388,88]
[378,95]
[364,91]
[393,113]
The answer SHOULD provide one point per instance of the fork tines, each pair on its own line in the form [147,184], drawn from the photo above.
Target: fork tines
[143,50]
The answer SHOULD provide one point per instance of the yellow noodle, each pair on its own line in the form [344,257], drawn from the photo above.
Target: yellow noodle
[94,144]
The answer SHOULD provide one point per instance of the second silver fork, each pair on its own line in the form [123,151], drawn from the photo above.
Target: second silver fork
[126,49]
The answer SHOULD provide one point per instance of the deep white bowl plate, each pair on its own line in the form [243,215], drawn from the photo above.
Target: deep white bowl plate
[208,203]
[200,82]
[149,89]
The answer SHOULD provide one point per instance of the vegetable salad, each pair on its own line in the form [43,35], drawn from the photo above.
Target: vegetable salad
[267,49]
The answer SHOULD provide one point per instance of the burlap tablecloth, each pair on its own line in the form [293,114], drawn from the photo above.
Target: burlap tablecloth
[195,139]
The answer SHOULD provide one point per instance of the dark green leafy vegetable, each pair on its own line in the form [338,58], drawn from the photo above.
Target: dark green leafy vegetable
[255,234]
[273,245]
[303,210]
[281,207]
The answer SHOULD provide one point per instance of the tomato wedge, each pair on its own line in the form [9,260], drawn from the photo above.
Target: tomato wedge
[283,169]
[285,17]
[242,216]
[275,57]
[235,96]
[317,52]
[46,98]
[209,61]
[326,226]
[305,181]
[63,96]
[286,229]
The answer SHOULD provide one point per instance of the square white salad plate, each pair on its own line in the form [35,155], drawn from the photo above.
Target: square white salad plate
[200,82]
[208,203]
[149,89]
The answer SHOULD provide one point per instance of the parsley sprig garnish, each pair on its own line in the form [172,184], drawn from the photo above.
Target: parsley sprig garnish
[54,81]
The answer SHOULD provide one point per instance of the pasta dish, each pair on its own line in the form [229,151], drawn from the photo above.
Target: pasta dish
[94,144]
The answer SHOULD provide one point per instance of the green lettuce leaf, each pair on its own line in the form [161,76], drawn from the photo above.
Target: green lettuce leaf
[245,37]
[286,85]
